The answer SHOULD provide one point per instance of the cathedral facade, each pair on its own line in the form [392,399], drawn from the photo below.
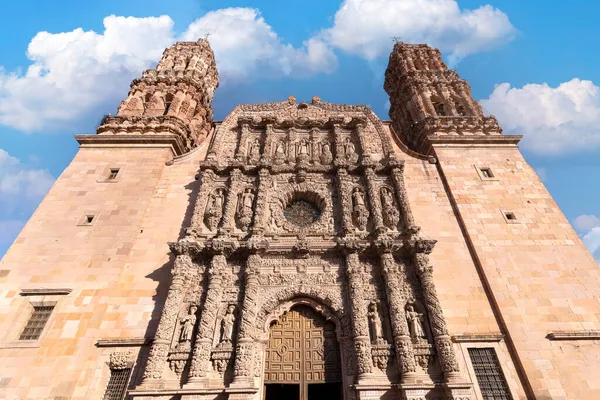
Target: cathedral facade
[299,250]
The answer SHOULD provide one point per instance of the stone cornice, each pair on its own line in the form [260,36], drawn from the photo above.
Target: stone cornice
[478,337]
[45,291]
[124,342]
[174,142]
[574,335]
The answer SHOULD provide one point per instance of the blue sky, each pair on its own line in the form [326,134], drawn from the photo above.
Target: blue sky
[533,64]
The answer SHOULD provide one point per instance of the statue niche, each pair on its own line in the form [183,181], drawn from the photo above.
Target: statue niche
[187,325]
[360,214]
[415,324]
[214,209]
[302,151]
[350,150]
[244,209]
[391,216]
[375,325]
[227,324]
[279,156]
[326,156]
[254,152]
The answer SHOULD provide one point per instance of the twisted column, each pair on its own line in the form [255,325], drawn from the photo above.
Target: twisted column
[441,337]
[398,179]
[405,354]
[201,366]
[343,190]
[168,319]
[264,182]
[207,178]
[374,200]
[228,220]
[244,354]
[360,327]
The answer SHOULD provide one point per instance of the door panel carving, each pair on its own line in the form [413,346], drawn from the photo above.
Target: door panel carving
[302,349]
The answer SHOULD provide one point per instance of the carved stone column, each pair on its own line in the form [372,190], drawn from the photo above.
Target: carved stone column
[340,153]
[244,354]
[405,355]
[343,191]
[200,366]
[264,183]
[207,178]
[360,327]
[162,339]
[240,154]
[407,216]
[374,200]
[360,132]
[443,343]
[228,221]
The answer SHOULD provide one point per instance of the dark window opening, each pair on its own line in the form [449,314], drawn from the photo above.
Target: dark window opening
[167,106]
[486,172]
[460,110]
[113,173]
[36,322]
[489,375]
[302,213]
[117,384]
[325,391]
[440,109]
[89,219]
[510,216]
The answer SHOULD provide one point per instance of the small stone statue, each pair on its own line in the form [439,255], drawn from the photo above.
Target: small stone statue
[360,213]
[214,210]
[244,212]
[326,156]
[279,153]
[391,216]
[375,323]
[303,148]
[227,325]
[254,153]
[415,323]
[274,221]
[350,150]
[187,325]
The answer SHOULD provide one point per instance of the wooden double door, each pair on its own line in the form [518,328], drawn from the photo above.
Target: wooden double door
[302,358]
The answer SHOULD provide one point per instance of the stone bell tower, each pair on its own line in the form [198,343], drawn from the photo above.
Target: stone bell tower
[429,102]
[172,101]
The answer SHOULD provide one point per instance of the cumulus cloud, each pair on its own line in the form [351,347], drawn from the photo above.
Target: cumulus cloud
[589,228]
[553,120]
[21,188]
[244,45]
[76,74]
[366,27]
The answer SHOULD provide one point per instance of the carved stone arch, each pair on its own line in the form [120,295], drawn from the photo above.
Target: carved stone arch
[326,302]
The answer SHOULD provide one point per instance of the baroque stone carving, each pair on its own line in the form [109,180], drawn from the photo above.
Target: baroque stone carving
[244,210]
[375,323]
[391,216]
[227,324]
[214,209]
[187,325]
[360,214]
[120,360]
[415,324]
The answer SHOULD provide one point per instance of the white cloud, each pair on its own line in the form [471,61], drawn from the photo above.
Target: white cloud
[244,45]
[553,120]
[542,174]
[585,223]
[592,242]
[366,27]
[79,74]
[21,189]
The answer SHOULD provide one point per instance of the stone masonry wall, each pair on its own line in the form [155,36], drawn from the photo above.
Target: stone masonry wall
[541,275]
[117,269]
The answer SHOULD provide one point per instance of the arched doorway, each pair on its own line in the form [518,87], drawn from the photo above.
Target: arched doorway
[302,359]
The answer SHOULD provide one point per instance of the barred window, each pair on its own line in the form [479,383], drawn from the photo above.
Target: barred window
[302,213]
[36,323]
[117,384]
[489,374]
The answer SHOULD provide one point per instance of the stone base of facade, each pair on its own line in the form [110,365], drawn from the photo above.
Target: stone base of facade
[247,393]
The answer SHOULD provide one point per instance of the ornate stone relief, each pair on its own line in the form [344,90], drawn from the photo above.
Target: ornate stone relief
[120,360]
[214,209]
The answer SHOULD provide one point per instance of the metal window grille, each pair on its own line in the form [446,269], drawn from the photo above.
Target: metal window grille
[117,383]
[36,323]
[489,375]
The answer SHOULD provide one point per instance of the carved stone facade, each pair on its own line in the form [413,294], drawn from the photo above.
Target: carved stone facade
[311,244]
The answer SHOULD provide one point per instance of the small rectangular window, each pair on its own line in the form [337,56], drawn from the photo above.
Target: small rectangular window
[489,375]
[487,173]
[36,323]
[117,384]
[113,173]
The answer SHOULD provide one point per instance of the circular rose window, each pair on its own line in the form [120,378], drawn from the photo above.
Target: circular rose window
[301,212]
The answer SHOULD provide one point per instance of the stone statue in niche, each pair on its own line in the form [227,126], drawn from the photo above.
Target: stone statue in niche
[350,150]
[244,211]
[391,216]
[326,155]
[375,323]
[415,324]
[275,221]
[227,325]
[214,210]
[187,325]
[360,214]
[254,153]
[279,156]
[303,150]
